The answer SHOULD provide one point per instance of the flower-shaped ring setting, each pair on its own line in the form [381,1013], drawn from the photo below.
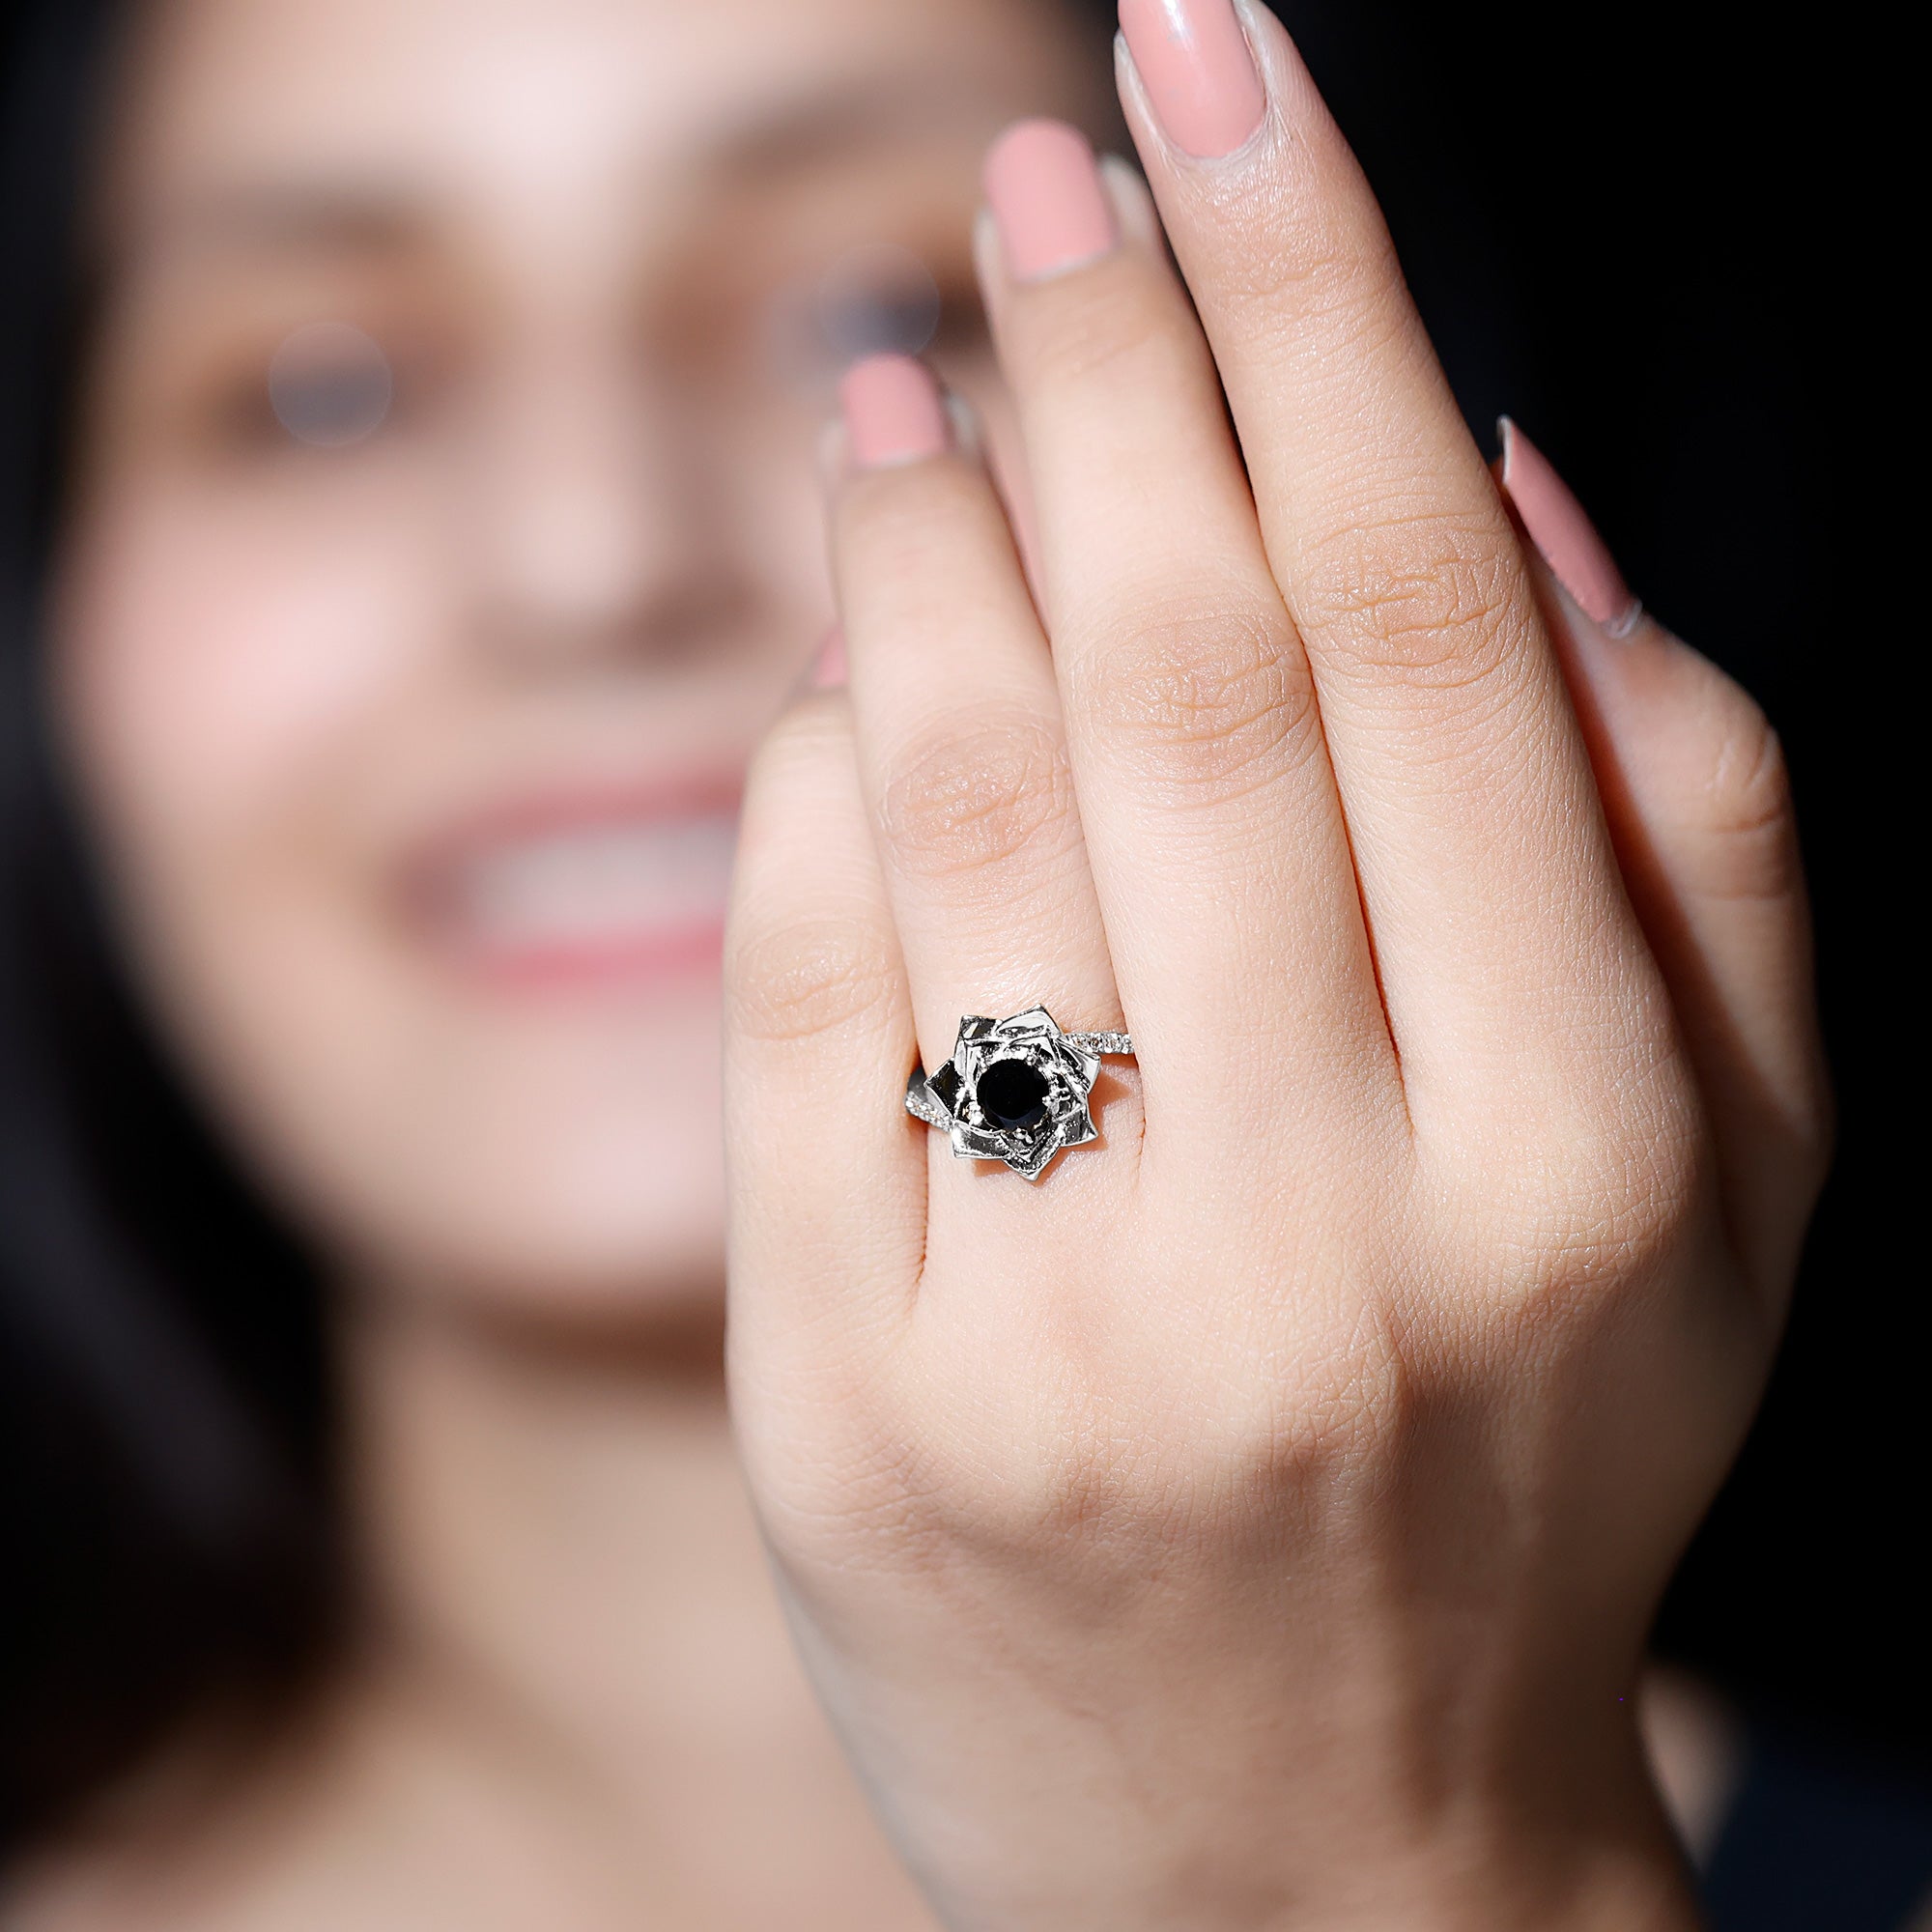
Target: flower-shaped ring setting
[1016,1090]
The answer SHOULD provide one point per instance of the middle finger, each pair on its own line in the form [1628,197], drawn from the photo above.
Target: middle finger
[1214,829]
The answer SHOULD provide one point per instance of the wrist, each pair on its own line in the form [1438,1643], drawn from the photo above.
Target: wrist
[1512,1887]
[1581,1850]
[1516,1887]
[1615,1869]
[1596,1858]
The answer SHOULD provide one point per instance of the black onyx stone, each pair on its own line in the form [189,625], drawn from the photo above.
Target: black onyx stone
[1011,1095]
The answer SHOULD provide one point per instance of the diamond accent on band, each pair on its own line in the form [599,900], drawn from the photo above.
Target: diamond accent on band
[1101,1042]
[920,1102]
[1016,1090]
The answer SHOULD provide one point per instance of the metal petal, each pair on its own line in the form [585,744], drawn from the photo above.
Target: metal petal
[1084,1068]
[1032,1164]
[974,1143]
[1034,1023]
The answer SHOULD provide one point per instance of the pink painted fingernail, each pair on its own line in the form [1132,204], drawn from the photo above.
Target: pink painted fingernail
[1199,75]
[894,413]
[1046,197]
[1564,534]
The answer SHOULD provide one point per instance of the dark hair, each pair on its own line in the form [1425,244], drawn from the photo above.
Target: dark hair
[164,1425]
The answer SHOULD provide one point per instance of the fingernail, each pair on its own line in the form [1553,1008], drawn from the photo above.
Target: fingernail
[828,669]
[894,413]
[1200,76]
[1046,192]
[1564,534]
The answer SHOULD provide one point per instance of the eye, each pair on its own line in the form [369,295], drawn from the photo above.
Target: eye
[330,384]
[877,299]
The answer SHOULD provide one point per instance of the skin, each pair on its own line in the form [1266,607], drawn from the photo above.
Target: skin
[1258,1525]
[580,566]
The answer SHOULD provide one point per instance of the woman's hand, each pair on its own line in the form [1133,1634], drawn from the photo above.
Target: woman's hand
[1257,1522]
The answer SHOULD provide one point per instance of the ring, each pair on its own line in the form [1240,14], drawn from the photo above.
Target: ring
[1016,1090]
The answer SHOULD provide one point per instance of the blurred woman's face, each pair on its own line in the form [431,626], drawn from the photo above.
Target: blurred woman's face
[446,536]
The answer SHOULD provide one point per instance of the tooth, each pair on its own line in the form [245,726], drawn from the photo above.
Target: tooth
[596,883]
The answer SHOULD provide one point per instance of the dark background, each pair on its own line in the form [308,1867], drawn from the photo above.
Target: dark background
[1641,230]
[1624,236]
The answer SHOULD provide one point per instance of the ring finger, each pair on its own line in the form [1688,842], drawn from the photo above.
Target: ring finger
[1216,836]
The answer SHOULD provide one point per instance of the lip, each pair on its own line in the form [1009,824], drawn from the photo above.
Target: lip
[578,888]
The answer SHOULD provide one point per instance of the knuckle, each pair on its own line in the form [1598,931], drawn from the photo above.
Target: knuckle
[1215,702]
[805,736]
[893,523]
[1750,850]
[801,976]
[1106,325]
[1429,598]
[1290,253]
[969,800]
[850,1503]
[1069,1491]
[1602,1203]
[802,772]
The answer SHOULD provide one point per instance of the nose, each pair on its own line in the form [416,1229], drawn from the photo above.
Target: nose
[595,532]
